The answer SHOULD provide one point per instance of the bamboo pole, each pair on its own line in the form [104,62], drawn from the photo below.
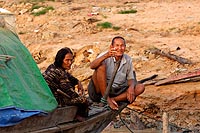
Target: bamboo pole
[165,122]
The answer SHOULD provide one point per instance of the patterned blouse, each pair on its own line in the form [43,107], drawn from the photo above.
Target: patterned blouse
[58,78]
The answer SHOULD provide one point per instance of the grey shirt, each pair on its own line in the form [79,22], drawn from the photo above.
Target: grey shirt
[124,73]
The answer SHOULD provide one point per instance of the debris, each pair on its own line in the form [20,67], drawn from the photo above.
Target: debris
[136,123]
[86,55]
[76,24]
[170,56]
[77,8]
[93,13]
[92,20]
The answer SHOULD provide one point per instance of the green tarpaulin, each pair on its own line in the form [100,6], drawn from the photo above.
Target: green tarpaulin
[21,83]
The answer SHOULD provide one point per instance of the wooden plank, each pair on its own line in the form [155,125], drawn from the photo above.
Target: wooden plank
[193,79]
[60,115]
[179,77]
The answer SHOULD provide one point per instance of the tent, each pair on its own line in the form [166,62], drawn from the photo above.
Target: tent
[23,90]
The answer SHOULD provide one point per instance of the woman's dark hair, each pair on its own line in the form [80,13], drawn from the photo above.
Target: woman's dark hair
[61,55]
[118,37]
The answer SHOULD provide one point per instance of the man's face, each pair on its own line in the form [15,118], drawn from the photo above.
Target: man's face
[119,46]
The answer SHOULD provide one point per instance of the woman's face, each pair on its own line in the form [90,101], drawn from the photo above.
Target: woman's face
[67,61]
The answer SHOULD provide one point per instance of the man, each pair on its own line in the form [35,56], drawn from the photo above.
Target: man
[125,86]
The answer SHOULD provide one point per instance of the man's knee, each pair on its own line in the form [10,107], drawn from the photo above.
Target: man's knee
[139,88]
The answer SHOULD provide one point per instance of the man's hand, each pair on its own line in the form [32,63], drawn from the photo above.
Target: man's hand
[131,94]
[112,52]
[112,103]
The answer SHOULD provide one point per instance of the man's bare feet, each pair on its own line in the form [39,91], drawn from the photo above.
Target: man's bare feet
[112,103]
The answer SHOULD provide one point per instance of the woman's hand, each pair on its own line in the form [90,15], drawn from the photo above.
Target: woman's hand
[81,91]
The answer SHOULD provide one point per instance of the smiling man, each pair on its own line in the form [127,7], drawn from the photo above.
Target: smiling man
[124,86]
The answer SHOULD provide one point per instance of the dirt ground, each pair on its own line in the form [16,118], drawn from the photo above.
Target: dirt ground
[170,25]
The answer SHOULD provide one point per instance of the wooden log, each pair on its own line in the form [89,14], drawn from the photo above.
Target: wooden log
[170,56]
[195,73]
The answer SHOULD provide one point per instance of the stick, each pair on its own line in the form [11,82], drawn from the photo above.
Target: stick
[6,57]
[111,81]
[9,56]
[63,93]
[170,56]
[148,78]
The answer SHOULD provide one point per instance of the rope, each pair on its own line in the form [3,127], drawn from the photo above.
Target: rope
[125,123]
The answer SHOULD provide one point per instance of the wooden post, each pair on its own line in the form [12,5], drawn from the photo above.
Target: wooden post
[165,122]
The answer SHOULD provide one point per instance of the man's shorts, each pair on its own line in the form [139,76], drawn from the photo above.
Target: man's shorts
[95,97]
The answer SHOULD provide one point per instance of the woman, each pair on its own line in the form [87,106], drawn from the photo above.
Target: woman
[62,83]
